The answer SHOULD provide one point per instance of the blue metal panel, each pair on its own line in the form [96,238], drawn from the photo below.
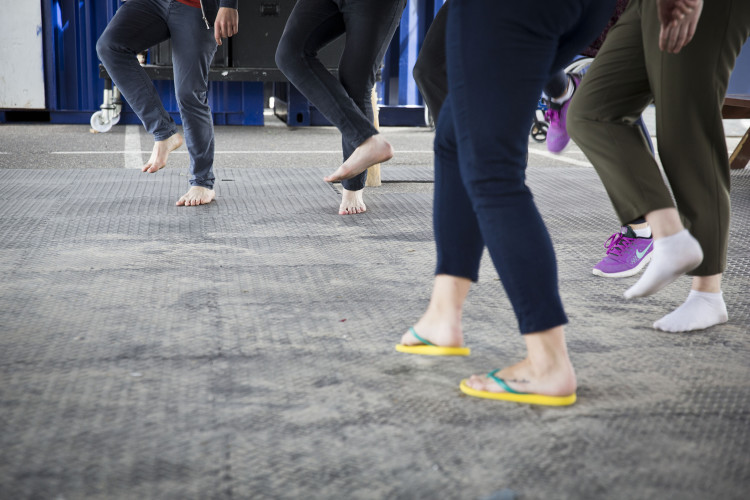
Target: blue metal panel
[411,34]
[739,83]
[236,103]
[436,8]
[71,28]
[298,108]
[74,89]
[402,55]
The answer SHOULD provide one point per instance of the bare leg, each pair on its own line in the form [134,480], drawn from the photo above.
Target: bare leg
[441,323]
[374,150]
[546,369]
[664,222]
[710,284]
[352,202]
[160,153]
[195,196]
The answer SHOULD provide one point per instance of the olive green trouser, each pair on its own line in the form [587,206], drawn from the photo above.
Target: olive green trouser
[688,89]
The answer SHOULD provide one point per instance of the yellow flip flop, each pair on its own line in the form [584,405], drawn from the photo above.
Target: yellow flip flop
[427,348]
[515,396]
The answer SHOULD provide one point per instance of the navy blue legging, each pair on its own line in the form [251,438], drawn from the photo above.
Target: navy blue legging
[481,144]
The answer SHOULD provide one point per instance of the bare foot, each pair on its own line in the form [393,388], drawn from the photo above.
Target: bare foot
[374,150]
[195,196]
[441,331]
[441,323]
[160,153]
[352,202]
[523,377]
[546,370]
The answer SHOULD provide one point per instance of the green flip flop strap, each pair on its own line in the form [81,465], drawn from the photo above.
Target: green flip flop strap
[424,341]
[502,383]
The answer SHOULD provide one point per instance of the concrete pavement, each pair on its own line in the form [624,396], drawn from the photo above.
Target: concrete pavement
[244,349]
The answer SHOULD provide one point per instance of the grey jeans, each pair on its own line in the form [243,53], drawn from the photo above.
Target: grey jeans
[140,24]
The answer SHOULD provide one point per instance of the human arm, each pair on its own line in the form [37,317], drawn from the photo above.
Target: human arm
[678,19]
[226,23]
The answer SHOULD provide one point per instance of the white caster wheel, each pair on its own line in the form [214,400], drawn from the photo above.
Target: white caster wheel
[98,124]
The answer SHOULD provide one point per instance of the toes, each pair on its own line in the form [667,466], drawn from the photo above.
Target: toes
[338,175]
[408,338]
[478,382]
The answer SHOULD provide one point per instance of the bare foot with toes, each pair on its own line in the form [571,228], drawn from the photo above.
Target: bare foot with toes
[523,377]
[195,196]
[160,153]
[374,150]
[352,202]
[439,332]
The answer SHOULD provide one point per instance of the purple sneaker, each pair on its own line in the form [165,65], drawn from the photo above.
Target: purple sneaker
[556,115]
[626,255]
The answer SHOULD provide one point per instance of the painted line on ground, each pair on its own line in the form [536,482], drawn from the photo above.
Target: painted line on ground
[139,163]
[133,155]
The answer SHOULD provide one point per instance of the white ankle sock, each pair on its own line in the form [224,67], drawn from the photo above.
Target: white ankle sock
[699,311]
[673,256]
[643,232]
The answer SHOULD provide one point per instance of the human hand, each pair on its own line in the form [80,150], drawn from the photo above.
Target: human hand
[678,19]
[226,24]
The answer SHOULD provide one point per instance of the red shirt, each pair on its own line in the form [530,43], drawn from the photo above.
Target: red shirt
[192,3]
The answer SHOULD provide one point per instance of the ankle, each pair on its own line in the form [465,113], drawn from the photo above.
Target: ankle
[547,351]
[444,312]
[709,284]
[664,222]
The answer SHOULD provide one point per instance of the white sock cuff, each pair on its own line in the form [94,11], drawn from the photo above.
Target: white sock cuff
[677,236]
[676,242]
[707,295]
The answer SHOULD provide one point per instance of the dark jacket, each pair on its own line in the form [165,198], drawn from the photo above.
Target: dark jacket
[211,7]
[593,49]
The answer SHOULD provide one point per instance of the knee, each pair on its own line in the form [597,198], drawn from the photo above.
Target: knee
[445,139]
[576,122]
[421,73]
[104,47]
[288,56]
[192,99]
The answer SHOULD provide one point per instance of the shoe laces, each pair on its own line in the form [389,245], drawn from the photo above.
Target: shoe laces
[552,115]
[616,244]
